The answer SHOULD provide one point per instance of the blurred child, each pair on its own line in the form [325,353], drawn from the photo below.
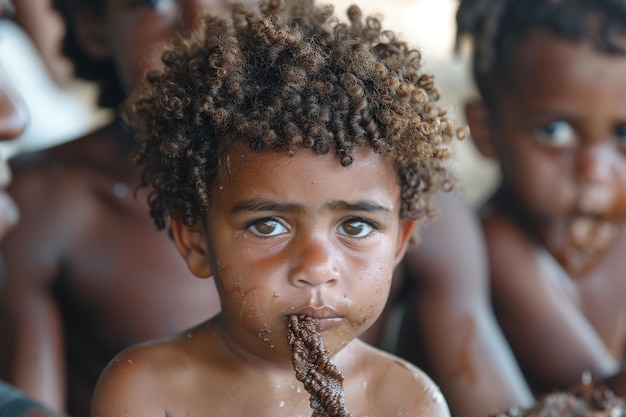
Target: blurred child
[86,273]
[552,78]
[448,327]
[292,158]
[13,119]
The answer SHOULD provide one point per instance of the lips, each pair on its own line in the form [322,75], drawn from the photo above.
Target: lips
[327,317]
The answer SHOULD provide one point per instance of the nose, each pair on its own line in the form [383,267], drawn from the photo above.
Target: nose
[596,163]
[13,116]
[314,263]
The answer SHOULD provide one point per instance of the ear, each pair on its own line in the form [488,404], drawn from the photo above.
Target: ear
[405,232]
[91,34]
[479,121]
[192,246]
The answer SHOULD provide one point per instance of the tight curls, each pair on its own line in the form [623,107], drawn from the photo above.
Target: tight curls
[294,77]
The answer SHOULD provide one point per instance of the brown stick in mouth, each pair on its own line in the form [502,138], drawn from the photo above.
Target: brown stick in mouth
[321,378]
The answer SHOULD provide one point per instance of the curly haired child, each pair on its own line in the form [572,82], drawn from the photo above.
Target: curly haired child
[292,157]
[552,78]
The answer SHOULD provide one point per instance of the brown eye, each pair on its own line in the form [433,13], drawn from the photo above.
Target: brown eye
[355,228]
[267,227]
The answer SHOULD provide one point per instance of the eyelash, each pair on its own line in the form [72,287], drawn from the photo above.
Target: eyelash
[374,225]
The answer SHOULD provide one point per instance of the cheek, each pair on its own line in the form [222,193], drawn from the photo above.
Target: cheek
[542,181]
[255,292]
[370,290]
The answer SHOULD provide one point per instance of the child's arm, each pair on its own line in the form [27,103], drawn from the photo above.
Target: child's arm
[552,339]
[30,322]
[463,345]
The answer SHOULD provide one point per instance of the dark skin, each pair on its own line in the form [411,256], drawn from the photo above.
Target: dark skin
[94,286]
[449,328]
[556,229]
[296,254]
[87,271]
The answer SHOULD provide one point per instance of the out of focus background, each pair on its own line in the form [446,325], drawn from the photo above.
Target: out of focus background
[62,109]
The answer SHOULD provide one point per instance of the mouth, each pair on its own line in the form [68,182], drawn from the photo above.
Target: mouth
[591,231]
[326,317]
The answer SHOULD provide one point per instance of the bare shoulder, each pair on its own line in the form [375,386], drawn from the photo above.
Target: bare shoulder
[102,153]
[62,190]
[147,378]
[131,381]
[56,203]
[500,230]
[509,247]
[390,385]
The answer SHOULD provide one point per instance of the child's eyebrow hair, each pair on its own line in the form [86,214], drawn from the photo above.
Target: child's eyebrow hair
[335,205]
[368,206]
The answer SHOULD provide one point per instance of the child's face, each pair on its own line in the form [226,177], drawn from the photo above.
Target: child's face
[560,130]
[135,30]
[301,235]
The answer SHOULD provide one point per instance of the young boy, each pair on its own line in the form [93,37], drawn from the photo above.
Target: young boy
[292,158]
[552,76]
[86,273]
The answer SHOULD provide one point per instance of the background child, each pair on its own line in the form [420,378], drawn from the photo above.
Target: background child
[448,327]
[552,76]
[13,120]
[293,157]
[86,273]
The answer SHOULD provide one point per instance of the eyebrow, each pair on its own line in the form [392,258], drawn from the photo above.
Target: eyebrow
[335,205]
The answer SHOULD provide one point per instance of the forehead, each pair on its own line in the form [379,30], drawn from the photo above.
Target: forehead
[549,66]
[307,176]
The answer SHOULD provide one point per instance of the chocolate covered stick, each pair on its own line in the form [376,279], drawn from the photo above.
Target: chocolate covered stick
[321,378]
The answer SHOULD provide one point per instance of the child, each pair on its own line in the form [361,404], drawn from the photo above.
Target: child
[292,158]
[552,76]
[448,327]
[86,273]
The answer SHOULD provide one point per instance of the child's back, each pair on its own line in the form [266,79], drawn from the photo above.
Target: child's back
[553,79]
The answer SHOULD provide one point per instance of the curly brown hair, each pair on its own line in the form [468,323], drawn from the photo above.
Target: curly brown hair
[496,27]
[293,77]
